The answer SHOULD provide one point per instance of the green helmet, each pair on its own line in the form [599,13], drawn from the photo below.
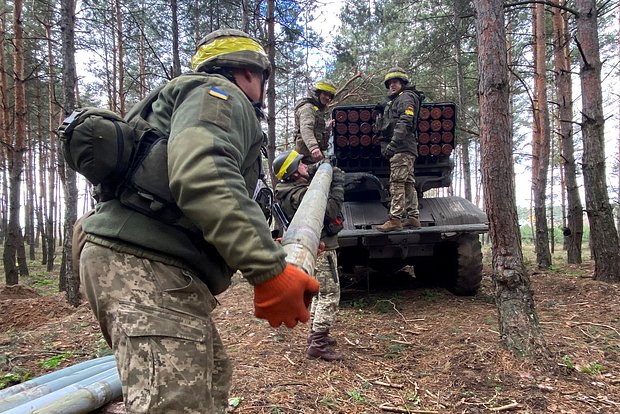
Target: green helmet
[395,73]
[324,86]
[286,163]
[230,48]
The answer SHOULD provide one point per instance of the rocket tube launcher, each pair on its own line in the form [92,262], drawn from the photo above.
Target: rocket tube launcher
[301,240]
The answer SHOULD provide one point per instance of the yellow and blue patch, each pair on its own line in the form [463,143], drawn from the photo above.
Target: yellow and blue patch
[218,93]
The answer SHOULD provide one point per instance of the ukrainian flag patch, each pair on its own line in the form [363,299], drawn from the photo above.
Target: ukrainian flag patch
[218,93]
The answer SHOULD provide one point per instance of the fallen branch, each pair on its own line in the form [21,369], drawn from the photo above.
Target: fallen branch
[506,407]
[596,324]
[355,345]
[394,409]
[387,384]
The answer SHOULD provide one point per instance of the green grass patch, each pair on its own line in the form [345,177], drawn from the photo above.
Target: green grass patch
[56,360]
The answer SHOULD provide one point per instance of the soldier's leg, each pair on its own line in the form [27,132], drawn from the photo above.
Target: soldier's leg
[329,293]
[321,345]
[158,320]
[410,191]
[398,178]
[222,374]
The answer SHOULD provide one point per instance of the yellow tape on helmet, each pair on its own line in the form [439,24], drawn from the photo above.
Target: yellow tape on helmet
[287,162]
[224,46]
[322,86]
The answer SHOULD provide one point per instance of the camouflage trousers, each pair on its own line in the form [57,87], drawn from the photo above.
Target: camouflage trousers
[325,305]
[157,319]
[402,186]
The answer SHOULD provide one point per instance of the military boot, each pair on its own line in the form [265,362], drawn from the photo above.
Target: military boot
[330,341]
[319,348]
[390,225]
[413,222]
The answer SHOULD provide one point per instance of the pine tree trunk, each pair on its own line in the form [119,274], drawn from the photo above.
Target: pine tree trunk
[14,239]
[603,236]
[459,7]
[573,231]
[69,76]
[540,141]
[518,322]
[271,87]
[176,61]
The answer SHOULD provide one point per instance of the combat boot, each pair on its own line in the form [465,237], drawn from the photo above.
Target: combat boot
[413,222]
[391,225]
[319,348]
[330,341]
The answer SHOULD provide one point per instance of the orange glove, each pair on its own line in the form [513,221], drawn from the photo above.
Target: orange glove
[286,297]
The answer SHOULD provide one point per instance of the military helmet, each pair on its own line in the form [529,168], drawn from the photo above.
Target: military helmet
[395,73]
[230,48]
[324,86]
[286,163]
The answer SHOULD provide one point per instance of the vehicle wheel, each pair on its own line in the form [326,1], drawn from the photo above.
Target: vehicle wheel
[466,280]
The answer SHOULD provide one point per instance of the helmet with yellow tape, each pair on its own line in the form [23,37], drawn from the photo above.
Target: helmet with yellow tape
[395,73]
[230,48]
[324,86]
[286,163]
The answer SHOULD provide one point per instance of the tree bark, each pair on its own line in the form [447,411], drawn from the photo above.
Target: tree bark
[518,322]
[459,6]
[603,236]
[16,151]
[541,140]
[573,232]
[69,76]
[271,88]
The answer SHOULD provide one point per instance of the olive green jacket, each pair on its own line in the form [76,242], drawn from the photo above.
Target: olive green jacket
[310,131]
[399,124]
[213,166]
[290,194]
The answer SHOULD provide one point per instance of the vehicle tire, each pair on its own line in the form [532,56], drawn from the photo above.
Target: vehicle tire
[466,280]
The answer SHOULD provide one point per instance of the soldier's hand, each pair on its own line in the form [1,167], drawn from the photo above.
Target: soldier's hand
[388,152]
[317,154]
[286,297]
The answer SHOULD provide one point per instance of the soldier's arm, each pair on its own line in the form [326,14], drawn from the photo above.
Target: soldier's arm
[407,113]
[306,126]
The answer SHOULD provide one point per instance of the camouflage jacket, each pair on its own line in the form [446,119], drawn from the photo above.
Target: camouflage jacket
[310,131]
[213,158]
[399,124]
[290,194]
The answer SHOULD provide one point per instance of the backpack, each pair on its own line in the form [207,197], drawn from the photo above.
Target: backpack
[124,159]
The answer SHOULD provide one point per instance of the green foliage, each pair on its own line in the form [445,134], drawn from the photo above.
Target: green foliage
[328,401]
[357,396]
[56,360]
[234,402]
[593,368]
[394,350]
[103,348]
[568,362]
[12,378]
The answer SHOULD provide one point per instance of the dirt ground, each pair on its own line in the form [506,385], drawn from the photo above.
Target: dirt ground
[407,351]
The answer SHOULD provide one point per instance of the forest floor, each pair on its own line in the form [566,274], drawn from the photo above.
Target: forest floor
[418,350]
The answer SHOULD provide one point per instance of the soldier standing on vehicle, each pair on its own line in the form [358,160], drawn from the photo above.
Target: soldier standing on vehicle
[295,178]
[311,131]
[152,284]
[398,128]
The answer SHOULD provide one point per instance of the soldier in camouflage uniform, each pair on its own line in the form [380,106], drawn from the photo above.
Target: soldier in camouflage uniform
[398,129]
[150,284]
[295,177]
[311,131]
